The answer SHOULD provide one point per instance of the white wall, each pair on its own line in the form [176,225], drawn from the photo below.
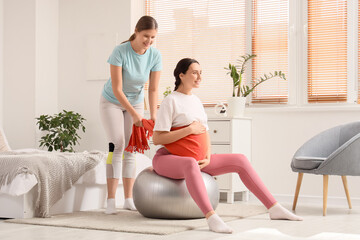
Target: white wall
[137,11]
[19,72]
[46,58]
[87,35]
[1,60]
[30,67]
[46,46]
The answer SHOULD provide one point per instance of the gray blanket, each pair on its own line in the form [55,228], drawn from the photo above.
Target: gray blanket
[55,172]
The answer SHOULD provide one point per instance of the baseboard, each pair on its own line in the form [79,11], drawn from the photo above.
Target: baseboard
[313,200]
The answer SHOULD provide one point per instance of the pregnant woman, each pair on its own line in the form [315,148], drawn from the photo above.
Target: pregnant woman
[181,127]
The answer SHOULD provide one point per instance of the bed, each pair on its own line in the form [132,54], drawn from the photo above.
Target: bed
[18,198]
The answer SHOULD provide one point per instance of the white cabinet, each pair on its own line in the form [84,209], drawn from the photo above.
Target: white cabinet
[231,135]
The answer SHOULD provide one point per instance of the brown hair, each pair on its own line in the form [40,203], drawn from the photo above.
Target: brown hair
[144,23]
[182,67]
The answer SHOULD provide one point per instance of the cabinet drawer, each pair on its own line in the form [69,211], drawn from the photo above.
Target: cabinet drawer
[220,149]
[219,131]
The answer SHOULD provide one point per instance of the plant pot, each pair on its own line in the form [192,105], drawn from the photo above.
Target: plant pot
[236,106]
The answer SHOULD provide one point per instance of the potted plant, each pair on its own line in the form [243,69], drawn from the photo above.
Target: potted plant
[236,104]
[62,130]
[167,92]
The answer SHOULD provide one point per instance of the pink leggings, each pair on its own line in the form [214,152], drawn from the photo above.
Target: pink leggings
[177,167]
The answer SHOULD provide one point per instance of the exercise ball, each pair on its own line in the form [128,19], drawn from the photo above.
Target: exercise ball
[160,197]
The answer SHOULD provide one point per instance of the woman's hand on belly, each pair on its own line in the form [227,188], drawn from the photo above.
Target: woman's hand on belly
[203,163]
[197,128]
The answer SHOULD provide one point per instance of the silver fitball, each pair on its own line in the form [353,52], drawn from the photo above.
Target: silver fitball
[160,197]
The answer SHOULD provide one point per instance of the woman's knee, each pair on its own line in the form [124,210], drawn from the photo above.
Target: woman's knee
[129,157]
[190,163]
[117,146]
[241,159]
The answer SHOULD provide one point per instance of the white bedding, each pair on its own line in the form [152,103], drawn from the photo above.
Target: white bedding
[21,184]
[24,182]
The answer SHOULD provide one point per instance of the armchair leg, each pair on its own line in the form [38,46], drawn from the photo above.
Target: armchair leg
[344,180]
[325,193]
[298,185]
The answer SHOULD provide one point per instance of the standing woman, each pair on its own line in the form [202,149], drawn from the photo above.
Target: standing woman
[132,63]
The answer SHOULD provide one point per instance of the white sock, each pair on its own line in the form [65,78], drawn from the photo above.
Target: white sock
[129,204]
[277,212]
[110,206]
[216,224]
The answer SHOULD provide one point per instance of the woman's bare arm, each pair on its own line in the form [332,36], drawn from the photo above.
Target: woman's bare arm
[165,137]
[116,80]
[153,93]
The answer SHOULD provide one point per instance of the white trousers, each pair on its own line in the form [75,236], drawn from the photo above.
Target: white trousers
[118,124]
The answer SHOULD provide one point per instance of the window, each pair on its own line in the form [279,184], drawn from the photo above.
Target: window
[327,51]
[270,44]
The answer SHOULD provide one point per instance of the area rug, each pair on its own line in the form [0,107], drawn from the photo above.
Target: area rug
[134,222]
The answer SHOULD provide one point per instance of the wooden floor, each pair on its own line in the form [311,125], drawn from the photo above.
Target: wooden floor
[340,223]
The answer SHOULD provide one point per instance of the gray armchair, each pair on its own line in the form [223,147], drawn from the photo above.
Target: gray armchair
[335,151]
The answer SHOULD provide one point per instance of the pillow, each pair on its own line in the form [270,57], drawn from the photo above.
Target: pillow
[190,146]
[308,163]
[4,146]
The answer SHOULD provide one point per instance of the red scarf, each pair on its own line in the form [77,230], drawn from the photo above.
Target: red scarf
[138,140]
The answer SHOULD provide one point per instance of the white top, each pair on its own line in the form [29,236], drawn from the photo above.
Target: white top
[177,110]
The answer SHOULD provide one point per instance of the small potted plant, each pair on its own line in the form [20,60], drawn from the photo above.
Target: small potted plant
[167,92]
[61,130]
[236,104]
